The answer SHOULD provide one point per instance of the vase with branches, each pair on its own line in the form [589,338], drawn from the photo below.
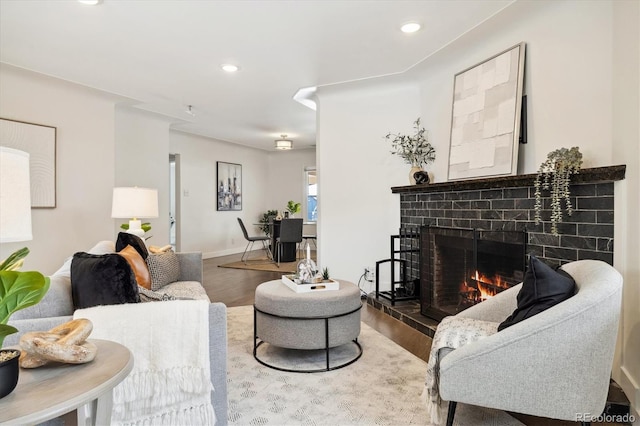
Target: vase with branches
[415,149]
[554,175]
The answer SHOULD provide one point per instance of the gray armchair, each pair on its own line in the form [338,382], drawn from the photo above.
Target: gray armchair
[556,364]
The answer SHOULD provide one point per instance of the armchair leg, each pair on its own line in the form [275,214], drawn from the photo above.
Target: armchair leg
[451,413]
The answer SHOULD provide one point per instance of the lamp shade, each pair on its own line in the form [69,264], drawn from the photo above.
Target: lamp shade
[15,196]
[134,202]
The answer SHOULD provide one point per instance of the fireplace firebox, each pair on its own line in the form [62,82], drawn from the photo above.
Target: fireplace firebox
[460,267]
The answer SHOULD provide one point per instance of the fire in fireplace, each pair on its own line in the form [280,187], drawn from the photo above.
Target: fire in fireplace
[461,267]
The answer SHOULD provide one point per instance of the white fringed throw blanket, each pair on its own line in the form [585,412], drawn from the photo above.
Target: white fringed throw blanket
[452,332]
[170,382]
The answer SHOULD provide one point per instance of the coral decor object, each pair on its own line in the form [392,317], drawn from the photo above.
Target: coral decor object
[65,343]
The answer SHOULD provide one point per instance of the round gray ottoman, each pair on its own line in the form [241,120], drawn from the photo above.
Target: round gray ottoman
[313,320]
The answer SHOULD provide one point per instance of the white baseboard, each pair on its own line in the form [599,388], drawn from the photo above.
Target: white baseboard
[227,252]
[631,389]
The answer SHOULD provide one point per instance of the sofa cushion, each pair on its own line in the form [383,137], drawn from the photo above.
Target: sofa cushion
[126,239]
[105,279]
[101,247]
[164,269]
[541,289]
[138,265]
[185,290]
[147,295]
[56,302]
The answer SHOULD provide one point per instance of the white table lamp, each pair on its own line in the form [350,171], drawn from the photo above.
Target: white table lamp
[15,196]
[134,203]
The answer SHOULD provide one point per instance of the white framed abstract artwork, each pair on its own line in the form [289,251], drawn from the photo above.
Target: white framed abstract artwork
[40,142]
[485,121]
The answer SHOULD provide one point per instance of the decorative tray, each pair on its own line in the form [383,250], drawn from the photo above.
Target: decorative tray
[290,281]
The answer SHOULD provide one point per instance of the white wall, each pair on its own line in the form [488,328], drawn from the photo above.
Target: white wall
[287,178]
[203,228]
[103,142]
[357,211]
[568,52]
[142,159]
[574,62]
[269,180]
[84,119]
[626,150]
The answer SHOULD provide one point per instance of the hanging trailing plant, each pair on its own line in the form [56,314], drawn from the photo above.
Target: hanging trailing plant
[555,175]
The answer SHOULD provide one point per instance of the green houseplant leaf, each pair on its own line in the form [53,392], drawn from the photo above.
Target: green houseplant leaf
[264,221]
[15,260]
[146,226]
[19,290]
[293,207]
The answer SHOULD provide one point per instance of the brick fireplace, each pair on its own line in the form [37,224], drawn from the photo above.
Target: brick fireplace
[461,267]
[507,204]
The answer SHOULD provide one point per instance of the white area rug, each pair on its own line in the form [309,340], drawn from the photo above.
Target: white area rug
[382,388]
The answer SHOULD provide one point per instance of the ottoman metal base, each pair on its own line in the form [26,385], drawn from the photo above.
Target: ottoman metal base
[257,342]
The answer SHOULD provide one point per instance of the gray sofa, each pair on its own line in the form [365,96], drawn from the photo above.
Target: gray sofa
[57,307]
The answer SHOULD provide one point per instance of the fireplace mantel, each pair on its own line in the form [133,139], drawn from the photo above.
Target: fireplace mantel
[590,175]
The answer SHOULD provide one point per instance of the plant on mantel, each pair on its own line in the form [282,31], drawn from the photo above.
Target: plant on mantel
[413,149]
[554,175]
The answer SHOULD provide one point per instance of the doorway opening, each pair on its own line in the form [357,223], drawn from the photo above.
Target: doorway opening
[174,201]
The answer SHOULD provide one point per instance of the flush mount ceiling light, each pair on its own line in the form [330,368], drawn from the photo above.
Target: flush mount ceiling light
[229,67]
[90,2]
[284,143]
[410,27]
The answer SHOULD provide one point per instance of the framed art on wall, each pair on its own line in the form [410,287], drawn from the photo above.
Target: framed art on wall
[229,181]
[485,118]
[40,142]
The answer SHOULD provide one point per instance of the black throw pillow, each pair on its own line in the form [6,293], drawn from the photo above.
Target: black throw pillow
[541,289]
[127,239]
[102,279]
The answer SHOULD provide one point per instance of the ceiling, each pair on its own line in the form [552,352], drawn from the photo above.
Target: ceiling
[166,54]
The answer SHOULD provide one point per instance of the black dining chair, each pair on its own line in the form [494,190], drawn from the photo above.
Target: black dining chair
[251,240]
[290,233]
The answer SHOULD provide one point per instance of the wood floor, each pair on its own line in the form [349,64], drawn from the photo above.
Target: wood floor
[236,287]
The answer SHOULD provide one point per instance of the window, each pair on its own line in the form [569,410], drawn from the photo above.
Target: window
[311,189]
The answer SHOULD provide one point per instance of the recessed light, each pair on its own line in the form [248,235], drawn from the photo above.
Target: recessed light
[410,27]
[90,2]
[229,67]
